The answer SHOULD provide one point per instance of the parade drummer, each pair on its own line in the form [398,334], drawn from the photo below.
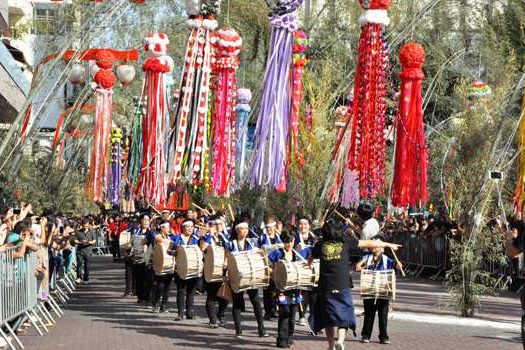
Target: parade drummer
[270,238]
[240,243]
[334,311]
[376,261]
[138,246]
[288,301]
[186,288]
[216,236]
[304,241]
[163,279]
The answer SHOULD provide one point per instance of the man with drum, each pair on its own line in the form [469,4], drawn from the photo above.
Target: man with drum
[303,243]
[289,301]
[217,236]
[164,265]
[186,287]
[269,239]
[138,248]
[240,243]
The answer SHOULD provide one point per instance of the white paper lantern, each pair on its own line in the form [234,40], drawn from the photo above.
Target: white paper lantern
[93,69]
[125,74]
[77,74]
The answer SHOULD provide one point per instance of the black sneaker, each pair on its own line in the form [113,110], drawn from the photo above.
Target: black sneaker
[384,341]
[222,323]
[155,310]
[264,335]
[365,340]
[213,325]
[179,317]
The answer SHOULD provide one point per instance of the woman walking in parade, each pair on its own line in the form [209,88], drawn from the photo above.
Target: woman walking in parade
[334,311]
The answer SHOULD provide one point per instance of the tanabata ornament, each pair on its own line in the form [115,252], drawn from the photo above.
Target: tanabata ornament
[299,62]
[228,47]
[366,156]
[268,165]
[151,186]
[114,184]
[519,193]
[98,168]
[189,142]
[409,185]
[243,109]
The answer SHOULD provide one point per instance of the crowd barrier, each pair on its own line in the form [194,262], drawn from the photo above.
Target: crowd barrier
[102,244]
[429,254]
[26,296]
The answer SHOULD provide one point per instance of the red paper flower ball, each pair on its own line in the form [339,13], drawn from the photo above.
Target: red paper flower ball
[105,59]
[412,55]
[105,78]
[375,4]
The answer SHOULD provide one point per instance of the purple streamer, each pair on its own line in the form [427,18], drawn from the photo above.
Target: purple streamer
[271,133]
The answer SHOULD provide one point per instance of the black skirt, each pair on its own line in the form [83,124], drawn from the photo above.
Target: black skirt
[333,310]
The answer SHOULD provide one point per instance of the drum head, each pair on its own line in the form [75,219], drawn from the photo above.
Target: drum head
[158,258]
[280,275]
[233,272]
[182,262]
[209,263]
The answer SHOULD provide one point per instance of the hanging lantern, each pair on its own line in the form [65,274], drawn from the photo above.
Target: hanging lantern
[77,74]
[93,69]
[125,74]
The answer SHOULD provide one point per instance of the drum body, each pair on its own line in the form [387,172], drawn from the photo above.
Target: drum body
[268,248]
[248,270]
[213,263]
[377,284]
[189,261]
[295,275]
[163,263]
[125,242]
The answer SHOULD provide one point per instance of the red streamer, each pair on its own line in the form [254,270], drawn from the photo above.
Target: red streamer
[409,185]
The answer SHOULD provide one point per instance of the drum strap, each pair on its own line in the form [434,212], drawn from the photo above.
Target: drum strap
[247,242]
[370,261]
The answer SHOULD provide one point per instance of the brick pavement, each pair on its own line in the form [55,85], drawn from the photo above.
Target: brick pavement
[98,319]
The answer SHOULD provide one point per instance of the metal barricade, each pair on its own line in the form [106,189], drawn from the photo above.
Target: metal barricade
[24,294]
[101,245]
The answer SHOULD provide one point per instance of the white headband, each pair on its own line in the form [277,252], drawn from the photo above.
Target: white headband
[187,223]
[165,224]
[218,221]
[304,221]
[241,225]
[271,224]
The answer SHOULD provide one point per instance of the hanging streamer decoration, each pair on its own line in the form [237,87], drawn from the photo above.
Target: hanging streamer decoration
[98,168]
[271,134]
[189,140]
[114,184]
[342,114]
[243,109]
[299,62]
[409,186]
[151,186]
[366,157]
[519,195]
[226,62]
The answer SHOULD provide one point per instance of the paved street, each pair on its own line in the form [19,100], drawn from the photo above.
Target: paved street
[98,319]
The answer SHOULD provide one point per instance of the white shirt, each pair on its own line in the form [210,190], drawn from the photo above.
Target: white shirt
[370,229]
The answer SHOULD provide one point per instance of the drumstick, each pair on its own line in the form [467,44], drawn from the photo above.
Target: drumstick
[204,210]
[397,261]
[155,209]
[212,208]
[231,212]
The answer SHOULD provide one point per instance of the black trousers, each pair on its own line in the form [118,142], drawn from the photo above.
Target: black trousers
[212,299]
[115,248]
[186,295]
[269,297]
[140,280]
[522,299]
[128,265]
[286,323]
[83,261]
[163,284]
[371,307]
[238,308]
